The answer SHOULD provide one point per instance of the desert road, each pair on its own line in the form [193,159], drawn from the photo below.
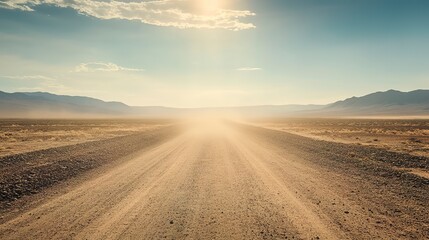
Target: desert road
[231,181]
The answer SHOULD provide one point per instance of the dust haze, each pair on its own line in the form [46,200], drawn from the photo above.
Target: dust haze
[214,119]
[207,176]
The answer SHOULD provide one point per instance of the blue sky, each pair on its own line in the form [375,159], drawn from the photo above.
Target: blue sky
[196,53]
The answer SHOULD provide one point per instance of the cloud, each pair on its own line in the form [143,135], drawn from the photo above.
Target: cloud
[166,13]
[249,69]
[103,67]
[39,83]
[29,77]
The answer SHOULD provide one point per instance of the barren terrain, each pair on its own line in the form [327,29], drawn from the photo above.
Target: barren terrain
[214,180]
[19,136]
[405,135]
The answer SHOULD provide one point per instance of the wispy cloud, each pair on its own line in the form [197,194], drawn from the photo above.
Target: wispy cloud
[249,69]
[29,77]
[103,67]
[167,13]
[41,83]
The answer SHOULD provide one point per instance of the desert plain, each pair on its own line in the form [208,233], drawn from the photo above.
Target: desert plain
[214,179]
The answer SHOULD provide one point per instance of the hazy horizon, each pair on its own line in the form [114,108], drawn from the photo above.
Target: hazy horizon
[214,119]
[214,53]
[216,106]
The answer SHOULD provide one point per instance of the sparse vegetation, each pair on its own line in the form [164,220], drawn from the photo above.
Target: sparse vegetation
[18,136]
[401,135]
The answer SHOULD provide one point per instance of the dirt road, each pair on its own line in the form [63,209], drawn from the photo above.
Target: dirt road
[228,181]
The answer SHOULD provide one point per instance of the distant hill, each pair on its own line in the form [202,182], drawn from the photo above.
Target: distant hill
[47,105]
[42,104]
[391,102]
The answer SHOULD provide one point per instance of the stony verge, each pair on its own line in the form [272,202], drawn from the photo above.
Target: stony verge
[29,173]
[381,180]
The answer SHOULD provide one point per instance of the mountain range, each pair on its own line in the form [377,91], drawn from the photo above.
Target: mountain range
[47,105]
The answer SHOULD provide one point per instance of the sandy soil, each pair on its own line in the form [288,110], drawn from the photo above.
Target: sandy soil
[406,135]
[26,174]
[232,181]
[19,136]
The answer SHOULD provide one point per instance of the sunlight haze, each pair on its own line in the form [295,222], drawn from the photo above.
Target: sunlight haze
[214,119]
[206,53]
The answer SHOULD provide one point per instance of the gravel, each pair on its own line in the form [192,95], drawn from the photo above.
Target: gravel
[29,173]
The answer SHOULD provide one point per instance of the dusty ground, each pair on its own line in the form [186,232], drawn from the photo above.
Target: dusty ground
[406,136]
[19,136]
[29,173]
[233,181]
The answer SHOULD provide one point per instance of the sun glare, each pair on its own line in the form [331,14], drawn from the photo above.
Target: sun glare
[209,6]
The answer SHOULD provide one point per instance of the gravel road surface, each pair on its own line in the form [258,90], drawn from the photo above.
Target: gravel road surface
[232,181]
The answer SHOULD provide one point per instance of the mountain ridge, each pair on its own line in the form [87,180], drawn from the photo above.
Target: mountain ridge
[389,97]
[44,104]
